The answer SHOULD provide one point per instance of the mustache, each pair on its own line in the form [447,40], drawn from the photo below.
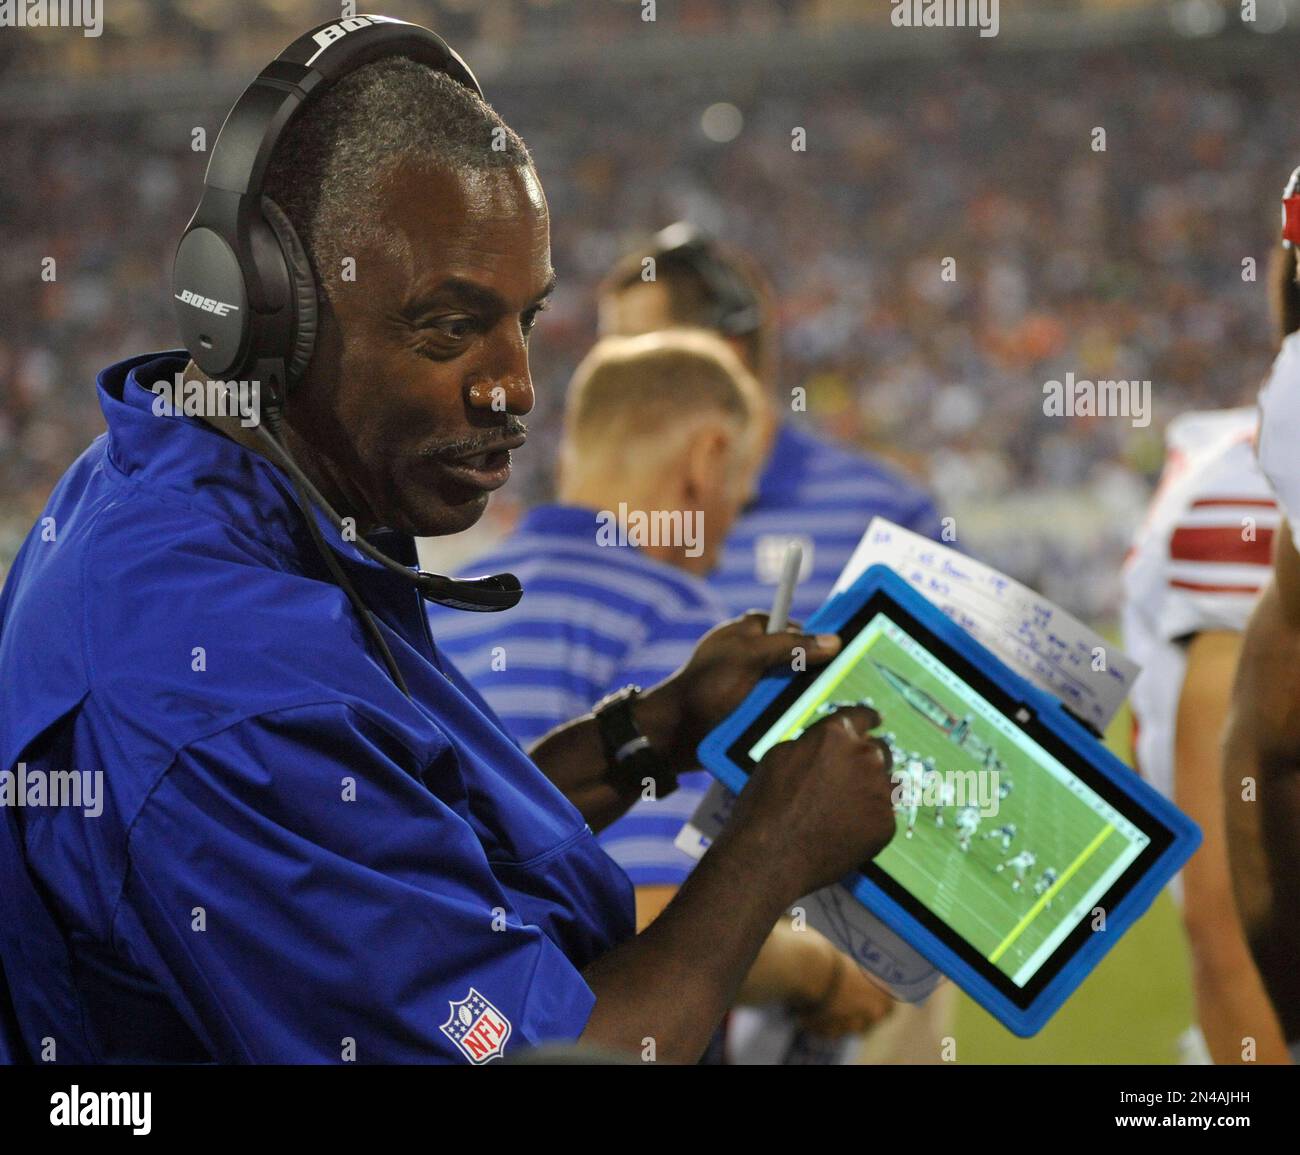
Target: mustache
[511,429]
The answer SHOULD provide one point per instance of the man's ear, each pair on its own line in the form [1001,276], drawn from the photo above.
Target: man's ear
[708,454]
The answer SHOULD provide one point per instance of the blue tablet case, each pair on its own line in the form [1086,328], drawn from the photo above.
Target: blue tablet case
[1053,716]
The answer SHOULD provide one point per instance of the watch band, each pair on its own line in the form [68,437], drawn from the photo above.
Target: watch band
[628,752]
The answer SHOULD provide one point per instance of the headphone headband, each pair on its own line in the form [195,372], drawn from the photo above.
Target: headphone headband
[313,62]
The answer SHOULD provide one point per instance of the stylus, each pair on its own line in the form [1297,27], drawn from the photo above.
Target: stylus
[780,615]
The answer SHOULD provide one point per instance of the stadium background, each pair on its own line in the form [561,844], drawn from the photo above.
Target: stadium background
[922,144]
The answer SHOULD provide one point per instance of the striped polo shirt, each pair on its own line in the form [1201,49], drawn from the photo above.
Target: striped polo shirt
[593,618]
[823,496]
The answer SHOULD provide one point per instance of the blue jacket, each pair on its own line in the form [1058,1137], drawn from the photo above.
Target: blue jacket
[293,862]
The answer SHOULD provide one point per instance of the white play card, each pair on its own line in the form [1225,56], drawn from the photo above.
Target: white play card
[1040,641]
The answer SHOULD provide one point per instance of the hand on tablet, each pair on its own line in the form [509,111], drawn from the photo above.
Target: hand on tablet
[827,797]
[726,665]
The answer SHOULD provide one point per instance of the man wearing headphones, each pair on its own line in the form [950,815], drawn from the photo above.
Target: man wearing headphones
[314,842]
[812,490]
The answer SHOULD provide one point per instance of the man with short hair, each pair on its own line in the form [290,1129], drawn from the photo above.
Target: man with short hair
[660,431]
[811,489]
[658,453]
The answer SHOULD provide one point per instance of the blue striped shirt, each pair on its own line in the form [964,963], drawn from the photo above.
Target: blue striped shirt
[823,496]
[593,618]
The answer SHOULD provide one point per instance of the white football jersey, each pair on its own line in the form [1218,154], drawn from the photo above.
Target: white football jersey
[1199,562]
[1279,431]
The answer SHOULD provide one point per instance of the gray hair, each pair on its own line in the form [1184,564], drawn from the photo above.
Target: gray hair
[328,168]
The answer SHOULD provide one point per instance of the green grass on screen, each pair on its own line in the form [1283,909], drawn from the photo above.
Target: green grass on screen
[1131,1009]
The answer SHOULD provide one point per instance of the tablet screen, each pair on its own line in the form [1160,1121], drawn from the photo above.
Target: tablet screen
[1008,843]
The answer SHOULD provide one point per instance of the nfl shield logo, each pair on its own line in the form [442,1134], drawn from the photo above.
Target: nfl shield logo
[477,1028]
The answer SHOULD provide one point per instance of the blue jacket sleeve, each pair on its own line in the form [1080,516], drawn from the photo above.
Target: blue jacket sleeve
[306,893]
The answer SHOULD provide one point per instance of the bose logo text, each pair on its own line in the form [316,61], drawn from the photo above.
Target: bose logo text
[206,303]
[328,35]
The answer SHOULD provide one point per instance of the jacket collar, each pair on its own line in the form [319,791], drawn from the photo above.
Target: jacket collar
[201,467]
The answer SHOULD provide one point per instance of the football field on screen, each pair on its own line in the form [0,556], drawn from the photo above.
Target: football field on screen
[965,887]
[1134,1008]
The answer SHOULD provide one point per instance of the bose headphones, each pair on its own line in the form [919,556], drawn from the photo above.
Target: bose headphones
[244,290]
[243,286]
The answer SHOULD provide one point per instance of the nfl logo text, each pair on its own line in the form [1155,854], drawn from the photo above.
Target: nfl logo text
[477,1028]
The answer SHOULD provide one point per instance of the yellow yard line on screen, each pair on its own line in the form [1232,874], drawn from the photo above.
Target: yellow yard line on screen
[829,688]
[1085,854]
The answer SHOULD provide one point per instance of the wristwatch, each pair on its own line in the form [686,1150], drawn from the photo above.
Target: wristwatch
[628,752]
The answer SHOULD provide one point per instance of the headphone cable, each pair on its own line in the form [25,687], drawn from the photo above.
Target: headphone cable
[302,487]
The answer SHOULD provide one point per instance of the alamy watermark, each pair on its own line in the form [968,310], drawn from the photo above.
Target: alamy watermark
[203,398]
[83,789]
[947,790]
[77,1108]
[88,15]
[981,14]
[1078,397]
[678,528]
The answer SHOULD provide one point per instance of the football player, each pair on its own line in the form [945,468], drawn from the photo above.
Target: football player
[1006,832]
[1192,579]
[1020,863]
[1045,881]
[1261,762]
[968,822]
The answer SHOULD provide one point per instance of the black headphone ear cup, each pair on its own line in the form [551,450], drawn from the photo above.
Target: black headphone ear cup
[302,285]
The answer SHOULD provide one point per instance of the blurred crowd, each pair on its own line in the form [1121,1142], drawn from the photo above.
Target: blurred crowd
[211,32]
[1125,263]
